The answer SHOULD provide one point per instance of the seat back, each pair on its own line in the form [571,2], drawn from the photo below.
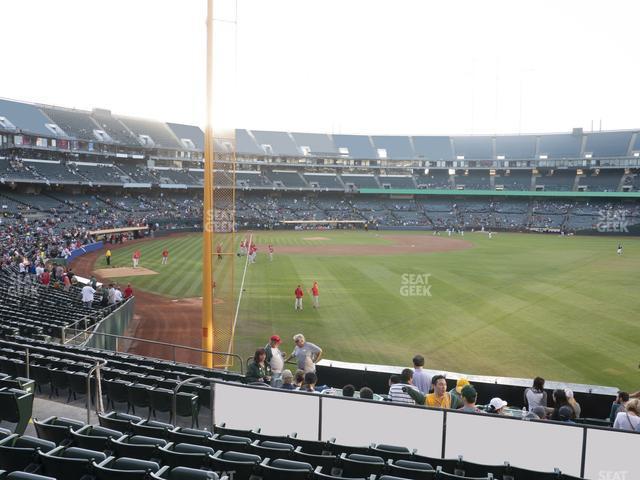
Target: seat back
[16,452]
[281,469]
[56,429]
[69,463]
[242,464]
[359,465]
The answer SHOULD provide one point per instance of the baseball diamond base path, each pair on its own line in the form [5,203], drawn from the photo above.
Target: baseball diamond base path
[178,321]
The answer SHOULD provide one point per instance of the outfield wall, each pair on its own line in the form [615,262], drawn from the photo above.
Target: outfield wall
[576,450]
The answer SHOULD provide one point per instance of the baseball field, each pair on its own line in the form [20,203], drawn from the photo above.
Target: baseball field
[565,308]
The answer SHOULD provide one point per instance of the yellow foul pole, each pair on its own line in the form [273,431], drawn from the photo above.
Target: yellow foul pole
[208,211]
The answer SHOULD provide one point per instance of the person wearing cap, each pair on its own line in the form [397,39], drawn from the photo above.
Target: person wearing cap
[469,396]
[456,397]
[440,398]
[560,400]
[275,359]
[572,402]
[565,414]
[287,380]
[496,406]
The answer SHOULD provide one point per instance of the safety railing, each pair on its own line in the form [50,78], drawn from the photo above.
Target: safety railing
[211,381]
[173,347]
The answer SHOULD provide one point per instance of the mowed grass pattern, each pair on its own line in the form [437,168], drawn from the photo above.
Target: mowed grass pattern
[565,308]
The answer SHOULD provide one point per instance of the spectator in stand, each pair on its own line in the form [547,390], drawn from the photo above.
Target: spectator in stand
[66,281]
[404,391]
[469,398]
[537,413]
[440,398]
[259,370]
[112,294]
[559,400]
[618,405]
[117,295]
[496,406]
[565,414]
[45,278]
[93,282]
[287,380]
[306,354]
[535,396]
[309,384]
[456,397]
[572,402]
[348,390]
[128,292]
[299,379]
[275,358]
[421,379]
[39,271]
[629,419]
[87,295]
[366,393]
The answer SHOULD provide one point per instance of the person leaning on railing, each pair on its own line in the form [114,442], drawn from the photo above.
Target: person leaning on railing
[259,370]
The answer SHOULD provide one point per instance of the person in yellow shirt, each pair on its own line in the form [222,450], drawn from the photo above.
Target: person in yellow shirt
[107,255]
[440,398]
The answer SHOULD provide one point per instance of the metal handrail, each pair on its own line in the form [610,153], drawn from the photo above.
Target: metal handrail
[174,401]
[175,346]
[99,364]
[84,319]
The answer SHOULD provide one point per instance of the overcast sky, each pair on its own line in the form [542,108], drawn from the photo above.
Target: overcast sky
[349,66]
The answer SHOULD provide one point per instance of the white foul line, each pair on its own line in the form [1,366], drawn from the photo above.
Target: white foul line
[235,318]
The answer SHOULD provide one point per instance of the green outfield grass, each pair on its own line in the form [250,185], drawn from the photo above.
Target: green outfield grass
[566,308]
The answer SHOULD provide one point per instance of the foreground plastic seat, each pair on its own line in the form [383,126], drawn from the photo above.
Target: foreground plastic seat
[118,421]
[139,395]
[242,464]
[321,473]
[27,476]
[391,452]
[17,452]
[56,429]
[136,446]
[124,469]
[186,473]
[271,450]
[94,437]
[161,400]
[412,470]
[229,443]
[327,462]
[185,454]
[69,463]
[189,435]
[440,475]
[357,465]
[152,428]
[16,407]
[116,391]
[280,469]
[515,473]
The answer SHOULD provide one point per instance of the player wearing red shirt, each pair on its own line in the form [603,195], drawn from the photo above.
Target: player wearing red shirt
[315,293]
[299,294]
[270,253]
[128,292]
[165,256]
[219,251]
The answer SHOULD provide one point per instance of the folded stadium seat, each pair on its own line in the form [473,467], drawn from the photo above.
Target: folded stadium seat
[263,437]
[17,453]
[56,429]
[152,428]
[229,443]
[392,452]
[16,407]
[117,392]
[138,395]
[281,469]
[118,421]
[189,435]
[440,475]
[8,366]
[327,462]
[78,385]
[27,476]
[185,454]
[338,450]
[202,391]
[19,383]
[59,381]
[69,463]
[4,433]
[136,446]
[272,450]
[94,437]
[242,464]
[469,469]
[313,447]
[358,465]
[124,469]
[449,465]
[224,430]
[185,473]
[393,477]
[186,404]
[515,473]
[322,473]
[411,469]
[150,380]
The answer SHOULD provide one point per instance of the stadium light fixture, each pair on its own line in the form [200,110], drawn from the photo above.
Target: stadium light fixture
[636,154]
[543,157]
[459,157]
[588,155]
[500,157]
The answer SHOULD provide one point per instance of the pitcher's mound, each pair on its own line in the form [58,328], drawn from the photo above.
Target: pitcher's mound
[124,272]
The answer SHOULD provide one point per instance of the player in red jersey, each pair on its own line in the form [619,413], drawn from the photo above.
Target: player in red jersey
[299,294]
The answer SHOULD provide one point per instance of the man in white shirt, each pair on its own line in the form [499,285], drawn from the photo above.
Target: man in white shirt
[275,358]
[87,295]
[421,379]
[117,295]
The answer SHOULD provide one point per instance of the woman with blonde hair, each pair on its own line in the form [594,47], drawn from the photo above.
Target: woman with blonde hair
[572,402]
[630,418]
